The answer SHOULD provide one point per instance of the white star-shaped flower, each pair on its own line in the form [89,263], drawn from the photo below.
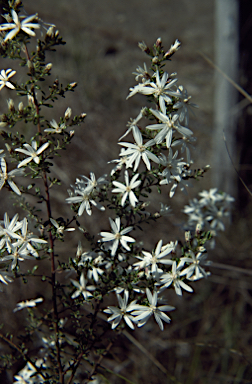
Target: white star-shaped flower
[126,190]
[27,303]
[82,288]
[25,25]
[138,151]
[32,151]
[143,313]
[123,312]
[161,90]
[4,78]
[117,236]
[8,176]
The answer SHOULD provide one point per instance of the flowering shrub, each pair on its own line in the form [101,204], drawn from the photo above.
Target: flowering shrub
[115,267]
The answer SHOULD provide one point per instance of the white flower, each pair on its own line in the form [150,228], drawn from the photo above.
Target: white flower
[32,152]
[29,375]
[119,162]
[160,89]
[142,73]
[123,312]
[173,48]
[138,151]
[82,289]
[126,190]
[173,277]
[194,268]
[8,176]
[143,313]
[173,167]
[117,236]
[60,229]
[92,183]
[85,198]
[132,124]
[167,125]
[55,127]
[17,25]
[152,259]
[27,303]
[16,254]
[8,227]
[26,238]
[4,78]
[182,105]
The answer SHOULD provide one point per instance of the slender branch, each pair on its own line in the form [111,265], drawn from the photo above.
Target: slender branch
[51,241]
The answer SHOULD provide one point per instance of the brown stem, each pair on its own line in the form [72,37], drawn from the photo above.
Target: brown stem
[13,345]
[51,242]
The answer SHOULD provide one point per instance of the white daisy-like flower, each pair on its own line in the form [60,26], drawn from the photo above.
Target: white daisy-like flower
[132,125]
[60,228]
[8,176]
[161,90]
[167,125]
[123,312]
[152,259]
[4,78]
[25,25]
[32,151]
[117,236]
[85,198]
[82,288]
[55,127]
[126,190]
[173,277]
[173,167]
[143,313]
[138,151]
[27,304]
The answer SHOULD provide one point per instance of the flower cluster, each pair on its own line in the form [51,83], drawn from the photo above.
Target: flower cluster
[114,264]
[17,243]
[209,211]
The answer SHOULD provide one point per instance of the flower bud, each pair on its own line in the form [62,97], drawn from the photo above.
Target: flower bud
[11,105]
[68,113]
[187,236]
[50,32]
[155,60]
[71,133]
[48,67]
[56,33]
[73,85]
[82,115]
[158,42]
[20,107]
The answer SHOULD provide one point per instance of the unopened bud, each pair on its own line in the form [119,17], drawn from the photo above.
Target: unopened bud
[30,100]
[56,33]
[68,113]
[82,115]
[158,42]
[187,236]
[157,215]
[71,133]
[48,67]
[198,228]
[8,147]
[73,85]
[17,3]
[30,66]
[11,105]
[3,124]
[155,60]
[20,107]
[49,32]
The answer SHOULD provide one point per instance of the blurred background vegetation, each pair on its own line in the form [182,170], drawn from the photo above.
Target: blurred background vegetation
[210,337]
